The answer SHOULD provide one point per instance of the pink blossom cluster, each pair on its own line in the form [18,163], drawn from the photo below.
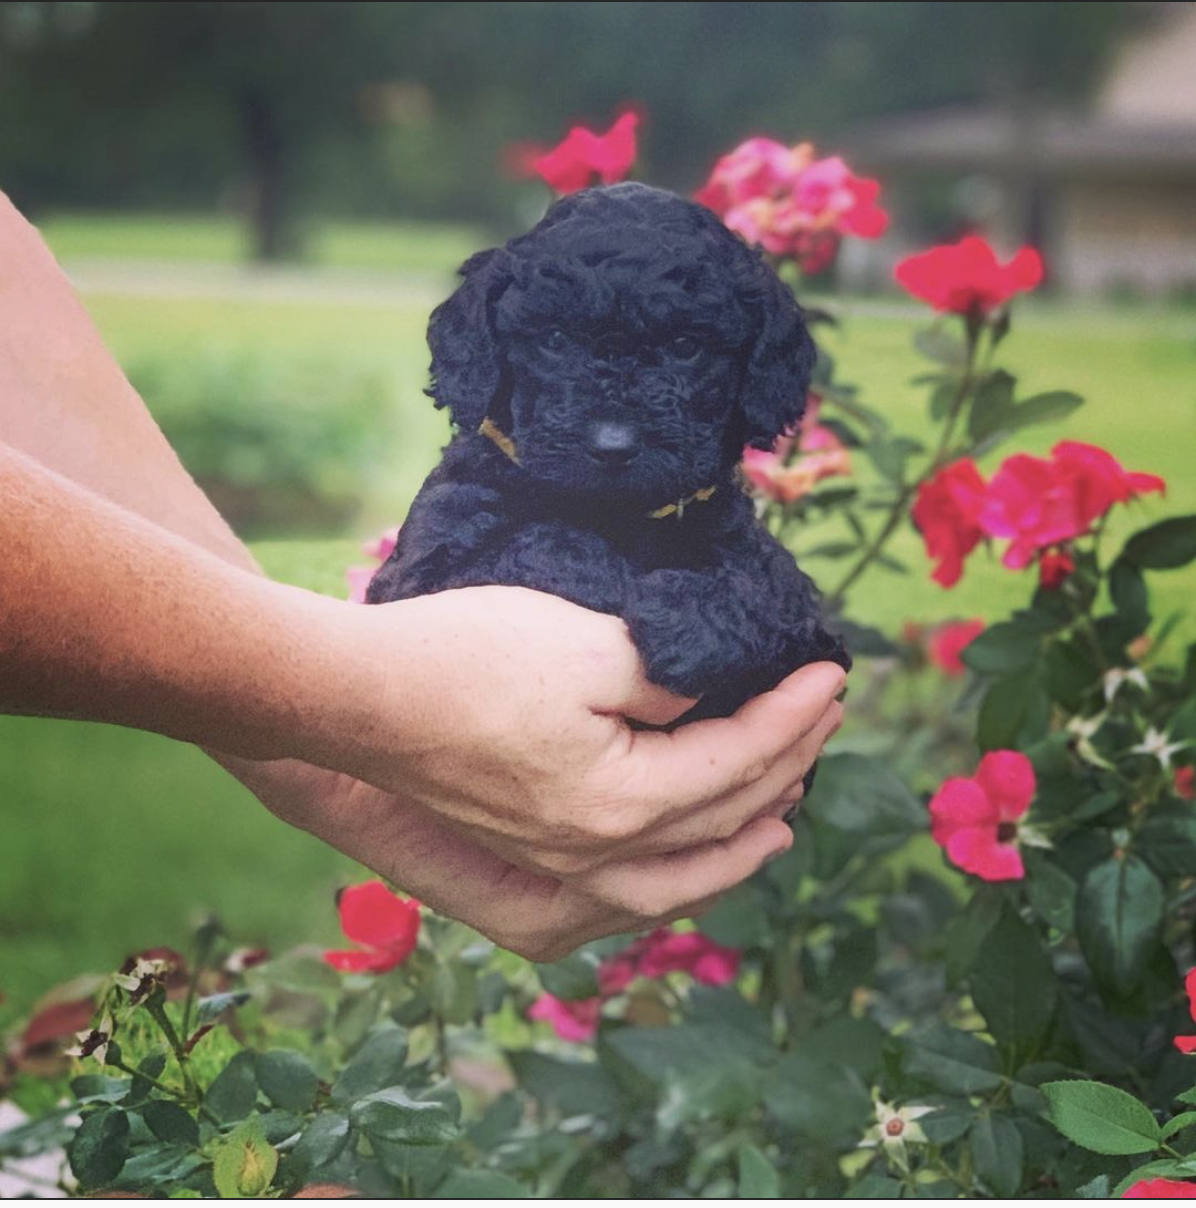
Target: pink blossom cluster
[790,203]
[798,461]
[662,952]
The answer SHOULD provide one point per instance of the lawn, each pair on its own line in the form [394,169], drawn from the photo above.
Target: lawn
[116,840]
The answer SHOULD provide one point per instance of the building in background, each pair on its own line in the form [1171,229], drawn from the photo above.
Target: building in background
[1108,195]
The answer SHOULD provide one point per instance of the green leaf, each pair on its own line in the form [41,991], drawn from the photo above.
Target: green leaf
[992,404]
[819,1101]
[1119,914]
[864,797]
[1167,842]
[214,1005]
[393,1115]
[1013,983]
[170,1122]
[574,977]
[1003,648]
[947,1123]
[1015,713]
[739,919]
[1095,1189]
[232,1096]
[1127,590]
[481,1185]
[997,1154]
[287,1079]
[453,991]
[1043,408]
[141,1088]
[1187,1097]
[98,1150]
[92,1088]
[1051,891]
[874,1187]
[966,932]
[1101,1118]
[571,1088]
[1164,546]
[1178,1124]
[758,1177]
[951,1060]
[321,1141]
[889,455]
[244,1163]
[378,1063]
[941,399]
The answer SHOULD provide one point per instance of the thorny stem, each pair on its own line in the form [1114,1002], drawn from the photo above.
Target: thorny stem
[897,512]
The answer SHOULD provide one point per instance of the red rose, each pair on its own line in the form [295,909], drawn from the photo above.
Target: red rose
[1187,1044]
[965,278]
[1039,503]
[1054,567]
[946,512]
[948,641]
[581,156]
[571,1019]
[975,819]
[1161,1189]
[387,925]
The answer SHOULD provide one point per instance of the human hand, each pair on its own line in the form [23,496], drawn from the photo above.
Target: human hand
[502,713]
[537,917]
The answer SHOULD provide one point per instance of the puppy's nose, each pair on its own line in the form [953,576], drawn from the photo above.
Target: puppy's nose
[611,443]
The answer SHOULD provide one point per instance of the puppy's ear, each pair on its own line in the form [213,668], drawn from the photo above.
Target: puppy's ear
[467,368]
[779,368]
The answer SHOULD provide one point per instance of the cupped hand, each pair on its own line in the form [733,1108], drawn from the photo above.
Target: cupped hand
[502,713]
[536,916]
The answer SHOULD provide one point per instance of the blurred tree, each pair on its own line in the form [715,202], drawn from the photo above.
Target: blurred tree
[403,108]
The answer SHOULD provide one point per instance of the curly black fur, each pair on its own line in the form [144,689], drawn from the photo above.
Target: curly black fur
[629,346]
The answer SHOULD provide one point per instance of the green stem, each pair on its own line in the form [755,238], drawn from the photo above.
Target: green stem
[909,490]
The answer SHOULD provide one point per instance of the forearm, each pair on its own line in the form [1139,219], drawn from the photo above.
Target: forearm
[65,402]
[108,617]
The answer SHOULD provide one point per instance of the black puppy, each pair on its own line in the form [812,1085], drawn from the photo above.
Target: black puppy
[605,371]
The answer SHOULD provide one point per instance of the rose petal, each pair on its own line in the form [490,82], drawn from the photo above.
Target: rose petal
[977,851]
[1007,778]
[371,914]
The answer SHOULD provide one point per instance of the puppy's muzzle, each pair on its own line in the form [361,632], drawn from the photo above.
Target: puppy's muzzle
[610,443]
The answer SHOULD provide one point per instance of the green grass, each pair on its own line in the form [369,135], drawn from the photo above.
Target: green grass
[385,246]
[114,840]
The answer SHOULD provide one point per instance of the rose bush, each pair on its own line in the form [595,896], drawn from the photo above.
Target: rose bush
[973,975]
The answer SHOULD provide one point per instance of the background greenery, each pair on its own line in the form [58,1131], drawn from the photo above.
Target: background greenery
[115,840]
[289,113]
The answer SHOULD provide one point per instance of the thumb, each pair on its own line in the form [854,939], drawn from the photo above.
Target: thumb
[619,686]
[650,703]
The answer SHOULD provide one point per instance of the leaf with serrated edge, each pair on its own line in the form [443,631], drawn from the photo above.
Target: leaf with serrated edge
[1102,1118]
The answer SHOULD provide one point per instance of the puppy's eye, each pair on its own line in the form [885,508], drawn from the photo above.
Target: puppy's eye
[684,348]
[554,340]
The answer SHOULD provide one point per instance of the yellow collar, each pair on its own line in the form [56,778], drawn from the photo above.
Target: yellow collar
[492,431]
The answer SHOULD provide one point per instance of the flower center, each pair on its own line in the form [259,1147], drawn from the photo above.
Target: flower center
[1006,832]
[895,1127]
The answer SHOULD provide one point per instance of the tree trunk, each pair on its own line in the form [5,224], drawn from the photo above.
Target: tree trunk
[265,149]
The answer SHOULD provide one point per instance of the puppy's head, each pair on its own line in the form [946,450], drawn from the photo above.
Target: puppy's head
[629,346]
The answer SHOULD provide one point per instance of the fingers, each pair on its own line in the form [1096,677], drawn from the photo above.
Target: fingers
[778,785]
[711,760]
[651,887]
